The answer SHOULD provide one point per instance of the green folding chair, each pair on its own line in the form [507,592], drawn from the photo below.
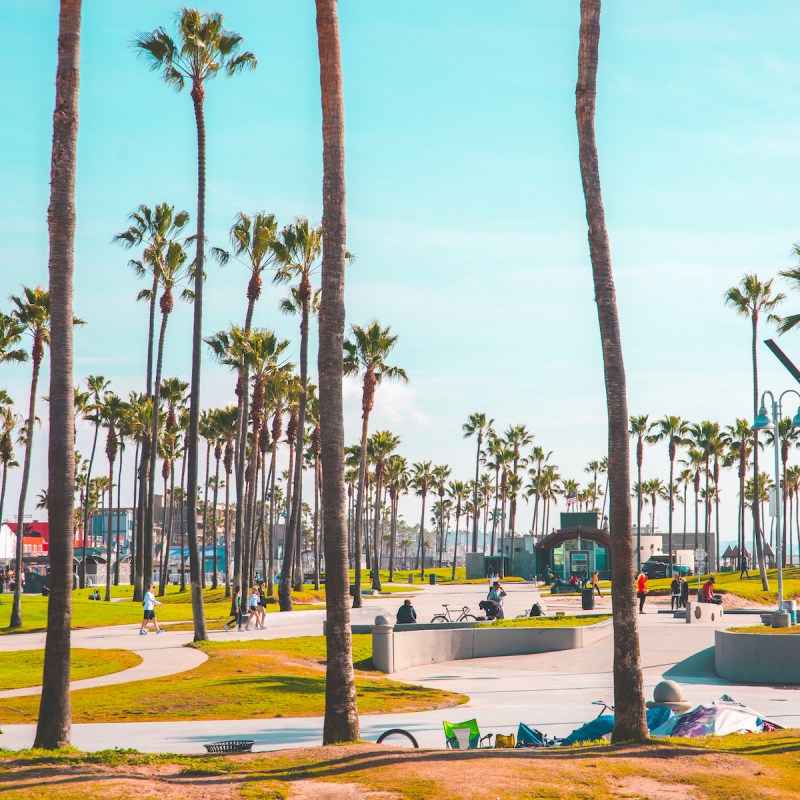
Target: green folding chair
[465,735]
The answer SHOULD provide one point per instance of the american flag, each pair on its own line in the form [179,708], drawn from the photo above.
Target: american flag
[571,498]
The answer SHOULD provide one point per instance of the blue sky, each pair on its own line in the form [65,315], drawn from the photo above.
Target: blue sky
[464,200]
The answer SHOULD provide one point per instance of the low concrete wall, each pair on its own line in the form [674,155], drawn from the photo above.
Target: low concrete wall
[757,657]
[395,648]
[703,612]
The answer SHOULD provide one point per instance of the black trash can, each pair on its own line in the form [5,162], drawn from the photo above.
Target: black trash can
[587,599]
[432,579]
[352,590]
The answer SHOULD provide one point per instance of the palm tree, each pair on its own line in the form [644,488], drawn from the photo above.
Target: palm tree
[421,481]
[341,714]
[380,445]
[366,353]
[441,473]
[685,477]
[593,469]
[629,719]
[738,439]
[32,313]
[171,273]
[476,425]
[513,488]
[694,462]
[674,431]
[397,482]
[110,414]
[154,229]
[297,251]
[8,423]
[204,48]
[751,299]
[485,491]
[538,459]
[226,431]
[705,438]
[640,428]
[55,718]
[10,335]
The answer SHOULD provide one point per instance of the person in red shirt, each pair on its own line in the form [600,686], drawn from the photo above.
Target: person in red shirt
[707,592]
[641,590]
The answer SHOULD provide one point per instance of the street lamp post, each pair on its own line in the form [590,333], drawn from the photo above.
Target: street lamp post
[761,422]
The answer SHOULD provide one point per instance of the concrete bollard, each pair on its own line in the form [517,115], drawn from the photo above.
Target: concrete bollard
[780,619]
[383,644]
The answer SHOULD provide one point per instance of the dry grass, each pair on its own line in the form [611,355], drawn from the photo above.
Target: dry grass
[752,767]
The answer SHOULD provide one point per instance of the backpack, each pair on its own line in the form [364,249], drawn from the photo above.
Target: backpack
[536,610]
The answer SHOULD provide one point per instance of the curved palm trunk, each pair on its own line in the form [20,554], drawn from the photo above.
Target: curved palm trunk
[214,579]
[86,506]
[475,494]
[341,716]
[359,513]
[193,435]
[376,535]
[629,717]
[422,537]
[53,728]
[151,487]
[225,562]
[110,535]
[119,514]
[16,608]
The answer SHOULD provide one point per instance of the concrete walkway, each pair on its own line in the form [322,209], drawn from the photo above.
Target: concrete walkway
[550,691]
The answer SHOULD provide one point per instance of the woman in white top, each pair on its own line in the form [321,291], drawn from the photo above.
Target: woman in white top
[149,604]
[252,607]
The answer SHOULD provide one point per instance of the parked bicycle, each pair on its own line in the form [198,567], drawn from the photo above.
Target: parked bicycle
[605,707]
[465,616]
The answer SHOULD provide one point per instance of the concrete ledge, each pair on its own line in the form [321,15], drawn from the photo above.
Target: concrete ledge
[395,648]
[766,658]
[703,612]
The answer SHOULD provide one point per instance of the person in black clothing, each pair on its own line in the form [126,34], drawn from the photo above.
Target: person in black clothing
[744,571]
[675,596]
[406,614]
[684,593]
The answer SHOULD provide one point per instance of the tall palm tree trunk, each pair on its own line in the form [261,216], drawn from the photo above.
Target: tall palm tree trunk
[671,508]
[341,716]
[53,728]
[16,608]
[512,512]
[151,487]
[86,506]
[205,518]
[110,534]
[226,555]
[273,539]
[214,578]
[475,494]
[141,513]
[193,435]
[455,543]
[757,528]
[359,514]
[119,514]
[421,543]
[316,522]
[376,535]
[629,717]
[182,525]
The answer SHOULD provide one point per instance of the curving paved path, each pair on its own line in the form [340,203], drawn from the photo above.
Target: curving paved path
[552,691]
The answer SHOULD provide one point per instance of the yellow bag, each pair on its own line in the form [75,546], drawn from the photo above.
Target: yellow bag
[503,741]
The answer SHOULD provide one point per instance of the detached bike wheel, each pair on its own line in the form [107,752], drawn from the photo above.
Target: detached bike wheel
[439,618]
[397,737]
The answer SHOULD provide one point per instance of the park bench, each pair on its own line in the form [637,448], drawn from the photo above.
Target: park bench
[564,590]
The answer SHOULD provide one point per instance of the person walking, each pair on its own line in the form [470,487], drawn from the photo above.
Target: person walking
[236,610]
[745,572]
[262,606]
[596,582]
[585,578]
[149,603]
[641,590]
[252,607]
[675,596]
[496,594]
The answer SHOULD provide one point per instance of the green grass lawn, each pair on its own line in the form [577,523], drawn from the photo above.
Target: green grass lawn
[93,613]
[548,622]
[748,767]
[443,575]
[795,629]
[243,680]
[728,582]
[22,668]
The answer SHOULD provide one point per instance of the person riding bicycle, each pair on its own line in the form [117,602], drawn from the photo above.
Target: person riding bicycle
[496,594]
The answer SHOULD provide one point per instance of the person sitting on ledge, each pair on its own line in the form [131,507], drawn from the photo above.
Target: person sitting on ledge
[707,594]
[406,614]
[573,581]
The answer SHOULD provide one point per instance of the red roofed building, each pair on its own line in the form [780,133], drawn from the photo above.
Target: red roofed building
[35,537]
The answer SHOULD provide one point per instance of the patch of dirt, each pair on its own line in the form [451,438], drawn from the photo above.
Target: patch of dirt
[320,790]
[654,790]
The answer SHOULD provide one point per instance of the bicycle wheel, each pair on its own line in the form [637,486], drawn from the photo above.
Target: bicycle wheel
[440,618]
[468,618]
[397,737]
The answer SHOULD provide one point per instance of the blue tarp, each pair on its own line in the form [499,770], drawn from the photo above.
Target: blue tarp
[603,725]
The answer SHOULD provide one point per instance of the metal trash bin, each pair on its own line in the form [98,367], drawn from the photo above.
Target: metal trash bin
[352,590]
[411,577]
[587,599]
[432,579]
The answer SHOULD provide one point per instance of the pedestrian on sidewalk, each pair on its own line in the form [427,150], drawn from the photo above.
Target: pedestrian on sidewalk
[252,607]
[149,603]
[236,610]
[745,572]
[675,597]
[641,590]
[596,582]
[262,606]
[684,593]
